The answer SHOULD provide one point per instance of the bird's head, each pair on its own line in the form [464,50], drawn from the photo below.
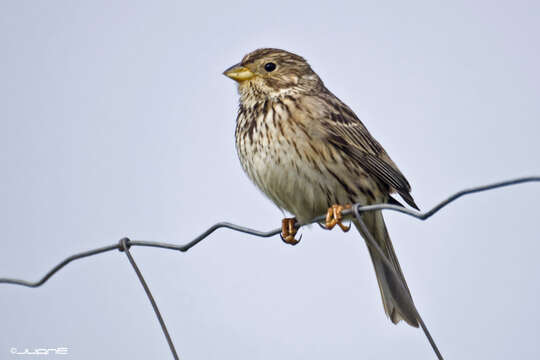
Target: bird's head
[266,73]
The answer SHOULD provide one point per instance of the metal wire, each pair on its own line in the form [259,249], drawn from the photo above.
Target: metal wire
[55,269]
[124,244]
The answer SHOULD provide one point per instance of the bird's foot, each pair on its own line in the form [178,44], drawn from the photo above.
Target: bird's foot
[288,231]
[334,217]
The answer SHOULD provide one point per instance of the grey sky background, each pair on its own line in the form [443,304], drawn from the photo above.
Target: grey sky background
[115,121]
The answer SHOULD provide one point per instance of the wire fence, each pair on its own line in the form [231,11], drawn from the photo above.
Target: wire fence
[125,244]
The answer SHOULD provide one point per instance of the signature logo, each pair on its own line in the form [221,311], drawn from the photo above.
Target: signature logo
[41,351]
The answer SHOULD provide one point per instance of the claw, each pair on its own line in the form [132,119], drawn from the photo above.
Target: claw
[288,231]
[343,227]
[334,217]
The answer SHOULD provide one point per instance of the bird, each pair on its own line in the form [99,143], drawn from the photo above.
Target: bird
[310,154]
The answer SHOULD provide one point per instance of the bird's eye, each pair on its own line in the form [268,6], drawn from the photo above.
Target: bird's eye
[269,66]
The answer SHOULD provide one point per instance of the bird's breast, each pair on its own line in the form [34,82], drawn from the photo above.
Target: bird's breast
[288,162]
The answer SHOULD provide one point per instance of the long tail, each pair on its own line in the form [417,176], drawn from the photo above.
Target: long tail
[398,304]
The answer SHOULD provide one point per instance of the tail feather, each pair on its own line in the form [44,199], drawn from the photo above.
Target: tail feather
[396,297]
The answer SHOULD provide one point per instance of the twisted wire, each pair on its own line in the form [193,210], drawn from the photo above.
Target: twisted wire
[124,244]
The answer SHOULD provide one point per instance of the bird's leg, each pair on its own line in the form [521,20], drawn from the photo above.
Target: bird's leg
[334,217]
[288,231]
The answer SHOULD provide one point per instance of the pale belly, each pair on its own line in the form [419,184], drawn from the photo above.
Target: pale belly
[303,187]
[291,162]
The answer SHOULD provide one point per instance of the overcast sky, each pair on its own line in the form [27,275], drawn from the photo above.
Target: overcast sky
[115,120]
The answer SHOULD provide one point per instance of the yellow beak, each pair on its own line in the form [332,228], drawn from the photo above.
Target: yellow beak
[238,73]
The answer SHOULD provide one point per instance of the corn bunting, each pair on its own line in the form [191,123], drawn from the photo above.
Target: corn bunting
[308,152]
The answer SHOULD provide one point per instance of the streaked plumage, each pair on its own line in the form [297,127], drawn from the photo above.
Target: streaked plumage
[307,150]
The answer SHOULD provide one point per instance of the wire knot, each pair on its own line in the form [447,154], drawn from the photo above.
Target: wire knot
[124,244]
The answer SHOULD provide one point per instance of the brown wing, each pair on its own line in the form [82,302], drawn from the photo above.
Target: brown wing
[348,134]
